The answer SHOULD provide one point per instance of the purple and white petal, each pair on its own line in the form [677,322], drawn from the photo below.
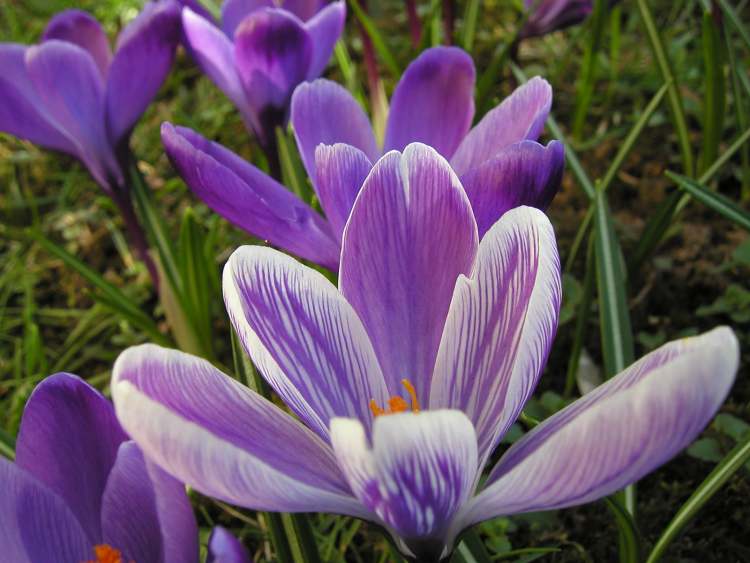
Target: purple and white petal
[35,523]
[146,513]
[249,198]
[234,11]
[420,470]
[325,112]
[71,88]
[519,117]
[550,15]
[22,112]
[223,547]
[80,28]
[500,326]
[526,173]
[325,29]
[144,55]
[303,336]
[68,440]
[410,235]
[272,53]
[222,439]
[340,171]
[616,434]
[433,102]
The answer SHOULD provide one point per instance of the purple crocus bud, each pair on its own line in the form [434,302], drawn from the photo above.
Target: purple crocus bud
[404,379]
[80,490]
[223,547]
[71,93]
[546,16]
[262,51]
[499,161]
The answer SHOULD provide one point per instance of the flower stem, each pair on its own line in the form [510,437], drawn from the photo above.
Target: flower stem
[136,234]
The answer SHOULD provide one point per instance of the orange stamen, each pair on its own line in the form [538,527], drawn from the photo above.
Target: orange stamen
[106,554]
[397,403]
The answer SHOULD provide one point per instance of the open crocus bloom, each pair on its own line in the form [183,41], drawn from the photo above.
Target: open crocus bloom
[499,162]
[405,378]
[262,51]
[70,93]
[81,492]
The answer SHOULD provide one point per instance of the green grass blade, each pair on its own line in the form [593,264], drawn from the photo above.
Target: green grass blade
[737,71]
[705,491]
[377,40]
[470,549]
[7,445]
[587,78]
[630,537]
[292,172]
[719,203]
[109,295]
[660,221]
[582,321]
[675,99]
[732,16]
[471,14]
[714,101]
[301,539]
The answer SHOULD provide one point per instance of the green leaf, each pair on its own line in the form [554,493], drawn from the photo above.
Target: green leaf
[470,549]
[665,68]
[705,449]
[471,13]
[722,205]
[733,461]
[715,90]
[377,39]
[734,427]
[630,537]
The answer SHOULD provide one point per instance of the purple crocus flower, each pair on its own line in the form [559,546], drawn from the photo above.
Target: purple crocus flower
[406,377]
[80,491]
[262,51]
[546,16]
[70,93]
[499,162]
[223,547]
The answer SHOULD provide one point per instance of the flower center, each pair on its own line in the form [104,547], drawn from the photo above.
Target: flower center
[397,403]
[106,554]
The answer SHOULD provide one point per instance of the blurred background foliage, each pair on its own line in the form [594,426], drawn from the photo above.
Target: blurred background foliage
[605,76]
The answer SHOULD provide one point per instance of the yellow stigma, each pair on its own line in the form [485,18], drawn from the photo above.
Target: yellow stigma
[396,403]
[106,554]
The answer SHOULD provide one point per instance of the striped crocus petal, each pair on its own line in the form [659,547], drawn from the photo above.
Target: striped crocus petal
[419,471]
[305,338]
[616,434]
[519,117]
[221,438]
[35,524]
[410,235]
[500,326]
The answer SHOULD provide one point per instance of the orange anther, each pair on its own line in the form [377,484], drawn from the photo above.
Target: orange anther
[397,403]
[106,554]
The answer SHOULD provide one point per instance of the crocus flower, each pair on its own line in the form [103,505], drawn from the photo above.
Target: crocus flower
[81,492]
[406,377]
[262,51]
[223,547]
[499,162]
[546,16]
[71,93]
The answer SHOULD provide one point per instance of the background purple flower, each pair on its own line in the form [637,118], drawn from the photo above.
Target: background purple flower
[223,547]
[71,93]
[500,164]
[262,50]
[79,484]
[546,16]
[467,324]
